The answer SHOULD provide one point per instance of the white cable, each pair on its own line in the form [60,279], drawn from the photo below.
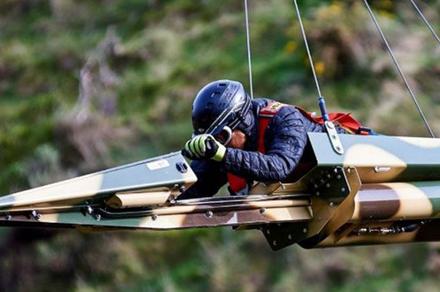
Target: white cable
[425,20]
[396,63]
[309,54]
[248,42]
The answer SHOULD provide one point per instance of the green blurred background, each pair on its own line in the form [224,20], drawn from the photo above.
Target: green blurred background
[86,85]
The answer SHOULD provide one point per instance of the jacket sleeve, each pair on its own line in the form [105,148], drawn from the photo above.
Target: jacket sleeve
[210,178]
[286,138]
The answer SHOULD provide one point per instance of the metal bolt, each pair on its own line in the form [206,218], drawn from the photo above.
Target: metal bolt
[343,190]
[267,231]
[338,148]
[98,217]
[89,210]
[305,230]
[317,194]
[172,200]
[338,176]
[289,237]
[349,170]
[274,242]
[182,189]
[9,218]
[315,186]
[262,210]
[35,215]
[327,185]
[332,204]
[209,214]
[154,217]
[329,175]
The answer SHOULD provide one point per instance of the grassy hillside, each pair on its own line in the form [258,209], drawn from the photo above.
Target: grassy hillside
[87,84]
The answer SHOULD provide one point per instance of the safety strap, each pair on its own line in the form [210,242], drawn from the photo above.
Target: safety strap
[344,120]
[236,183]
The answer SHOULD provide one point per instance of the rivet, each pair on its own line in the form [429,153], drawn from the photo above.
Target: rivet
[98,217]
[89,210]
[338,176]
[343,190]
[267,231]
[332,204]
[289,236]
[9,218]
[305,230]
[35,215]
[209,214]
[327,185]
[262,210]
[317,194]
[154,217]
[274,242]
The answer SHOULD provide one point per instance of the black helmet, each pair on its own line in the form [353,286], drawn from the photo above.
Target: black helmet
[220,104]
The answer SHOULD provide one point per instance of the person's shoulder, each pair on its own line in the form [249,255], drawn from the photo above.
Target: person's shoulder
[282,112]
[260,102]
[288,110]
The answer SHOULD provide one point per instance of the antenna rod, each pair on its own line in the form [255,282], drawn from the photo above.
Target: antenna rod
[396,63]
[321,99]
[248,43]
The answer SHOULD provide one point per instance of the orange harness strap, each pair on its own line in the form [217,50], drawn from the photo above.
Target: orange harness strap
[237,183]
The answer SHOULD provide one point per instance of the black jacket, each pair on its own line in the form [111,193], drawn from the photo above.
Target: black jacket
[285,141]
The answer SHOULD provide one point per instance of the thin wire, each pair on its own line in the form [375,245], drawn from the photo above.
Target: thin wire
[428,24]
[396,63]
[309,54]
[248,42]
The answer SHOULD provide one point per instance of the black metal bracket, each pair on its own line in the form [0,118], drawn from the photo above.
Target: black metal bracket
[280,235]
[330,183]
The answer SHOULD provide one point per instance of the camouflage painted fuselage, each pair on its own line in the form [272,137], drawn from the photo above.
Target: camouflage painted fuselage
[382,190]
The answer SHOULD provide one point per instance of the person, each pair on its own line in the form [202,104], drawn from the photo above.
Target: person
[237,140]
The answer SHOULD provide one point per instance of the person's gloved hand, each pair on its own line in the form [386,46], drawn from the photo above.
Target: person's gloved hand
[204,146]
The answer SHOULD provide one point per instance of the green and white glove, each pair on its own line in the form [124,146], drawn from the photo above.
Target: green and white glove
[204,146]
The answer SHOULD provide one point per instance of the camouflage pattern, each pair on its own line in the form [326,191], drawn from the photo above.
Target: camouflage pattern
[382,190]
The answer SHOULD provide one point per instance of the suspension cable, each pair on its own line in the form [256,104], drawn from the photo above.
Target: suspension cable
[426,21]
[309,54]
[248,43]
[396,63]
[321,100]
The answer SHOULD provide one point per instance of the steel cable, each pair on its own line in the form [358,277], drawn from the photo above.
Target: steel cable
[426,21]
[396,63]
[248,43]
[309,54]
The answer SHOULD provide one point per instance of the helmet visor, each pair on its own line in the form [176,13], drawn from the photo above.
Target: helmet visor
[224,136]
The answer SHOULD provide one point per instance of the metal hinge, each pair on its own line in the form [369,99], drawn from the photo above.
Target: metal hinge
[334,137]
